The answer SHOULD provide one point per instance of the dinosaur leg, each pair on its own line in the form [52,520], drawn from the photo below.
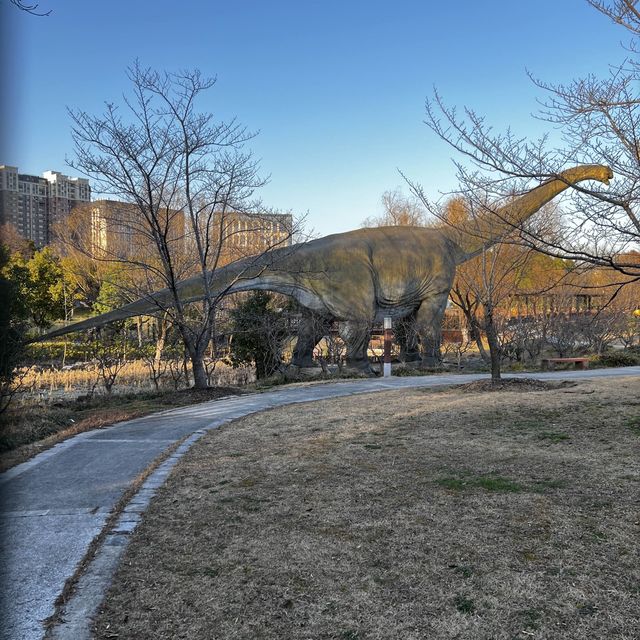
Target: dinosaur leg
[429,327]
[406,331]
[356,336]
[311,330]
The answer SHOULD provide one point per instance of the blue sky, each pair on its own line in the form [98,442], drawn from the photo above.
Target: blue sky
[336,89]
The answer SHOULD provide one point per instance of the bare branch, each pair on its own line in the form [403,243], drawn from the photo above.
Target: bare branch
[30,8]
[623,12]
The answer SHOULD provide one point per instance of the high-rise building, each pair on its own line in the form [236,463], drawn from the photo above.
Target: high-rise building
[65,193]
[32,204]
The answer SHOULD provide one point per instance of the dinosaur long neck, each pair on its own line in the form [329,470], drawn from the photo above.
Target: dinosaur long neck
[489,229]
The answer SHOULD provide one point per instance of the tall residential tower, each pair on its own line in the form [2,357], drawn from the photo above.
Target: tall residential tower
[32,204]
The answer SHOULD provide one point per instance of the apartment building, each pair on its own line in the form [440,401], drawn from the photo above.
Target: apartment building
[65,193]
[251,233]
[118,230]
[32,204]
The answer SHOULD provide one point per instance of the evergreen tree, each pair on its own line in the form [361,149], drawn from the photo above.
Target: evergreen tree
[258,334]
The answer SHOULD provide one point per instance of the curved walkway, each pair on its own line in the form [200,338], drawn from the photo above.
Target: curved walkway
[54,505]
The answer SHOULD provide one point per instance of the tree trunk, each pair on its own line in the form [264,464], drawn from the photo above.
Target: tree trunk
[200,377]
[185,368]
[157,356]
[476,334]
[195,351]
[469,313]
[494,345]
[139,331]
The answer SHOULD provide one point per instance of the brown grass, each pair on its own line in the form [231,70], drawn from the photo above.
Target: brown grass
[50,383]
[405,515]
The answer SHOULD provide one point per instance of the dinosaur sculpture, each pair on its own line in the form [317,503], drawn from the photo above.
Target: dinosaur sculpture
[357,278]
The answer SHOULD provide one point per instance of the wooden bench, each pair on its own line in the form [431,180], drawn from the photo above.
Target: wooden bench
[549,363]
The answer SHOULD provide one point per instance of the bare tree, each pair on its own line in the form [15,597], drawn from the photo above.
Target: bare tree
[398,210]
[565,333]
[523,339]
[152,353]
[457,347]
[186,177]
[15,243]
[488,283]
[110,351]
[600,120]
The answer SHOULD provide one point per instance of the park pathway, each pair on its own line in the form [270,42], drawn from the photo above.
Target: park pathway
[54,505]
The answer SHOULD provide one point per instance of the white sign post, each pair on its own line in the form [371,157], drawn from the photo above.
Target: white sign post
[388,339]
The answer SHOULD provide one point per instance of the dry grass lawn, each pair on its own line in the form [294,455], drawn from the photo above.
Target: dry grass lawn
[404,515]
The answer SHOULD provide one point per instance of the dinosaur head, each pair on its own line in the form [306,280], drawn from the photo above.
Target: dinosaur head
[609,175]
[599,172]
[602,173]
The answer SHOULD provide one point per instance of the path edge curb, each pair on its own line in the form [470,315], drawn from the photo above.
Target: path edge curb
[77,614]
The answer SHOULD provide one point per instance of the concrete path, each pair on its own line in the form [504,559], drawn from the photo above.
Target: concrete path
[53,506]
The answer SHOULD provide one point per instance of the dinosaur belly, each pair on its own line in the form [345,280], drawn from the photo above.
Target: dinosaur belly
[403,294]
[395,312]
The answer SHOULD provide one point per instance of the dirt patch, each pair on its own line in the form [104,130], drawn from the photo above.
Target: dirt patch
[403,515]
[25,431]
[515,384]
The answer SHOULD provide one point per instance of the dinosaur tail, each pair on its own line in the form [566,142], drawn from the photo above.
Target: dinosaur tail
[144,306]
[242,275]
